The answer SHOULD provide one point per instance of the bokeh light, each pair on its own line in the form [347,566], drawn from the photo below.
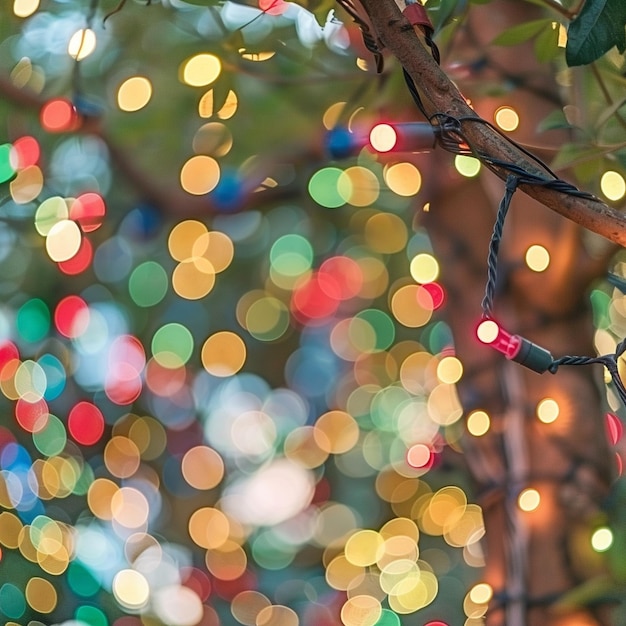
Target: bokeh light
[88,211]
[602,539]
[386,233]
[85,423]
[202,467]
[41,595]
[358,186]
[82,43]
[201,70]
[424,268]
[478,423]
[223,354]
[506,118]
[537,258]
[323,187]
[58,115]
[548,410]
[131,589]
[613,185]
[6,167]
[403,178]
[134,93]
[172,345]
[529,499]
[199,175]
[481,593]
[25,8]
[63,240]
[148,284]
[467,166]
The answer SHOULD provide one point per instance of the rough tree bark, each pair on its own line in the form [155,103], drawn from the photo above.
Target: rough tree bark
[532,558]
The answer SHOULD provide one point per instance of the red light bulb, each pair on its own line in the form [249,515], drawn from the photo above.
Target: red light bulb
[514,347]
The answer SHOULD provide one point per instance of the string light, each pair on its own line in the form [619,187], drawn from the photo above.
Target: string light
[340,142]
[514,347]
[402,137]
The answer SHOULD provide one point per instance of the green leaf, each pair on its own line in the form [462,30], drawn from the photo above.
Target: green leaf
[596,29]
[547,44]
[521,32]
[554,121]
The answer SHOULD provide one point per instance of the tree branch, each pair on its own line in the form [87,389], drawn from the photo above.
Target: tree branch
[440,95]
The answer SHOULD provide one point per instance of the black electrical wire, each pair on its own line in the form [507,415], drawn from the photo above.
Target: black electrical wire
[366,32]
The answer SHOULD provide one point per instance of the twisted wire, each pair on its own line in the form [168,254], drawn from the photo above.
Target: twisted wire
[494,245]
[610,361]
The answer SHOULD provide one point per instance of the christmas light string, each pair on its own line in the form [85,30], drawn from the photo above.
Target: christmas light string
[450,136]
[518,348]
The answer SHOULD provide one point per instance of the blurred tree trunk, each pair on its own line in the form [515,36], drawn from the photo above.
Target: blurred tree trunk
[532,557]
